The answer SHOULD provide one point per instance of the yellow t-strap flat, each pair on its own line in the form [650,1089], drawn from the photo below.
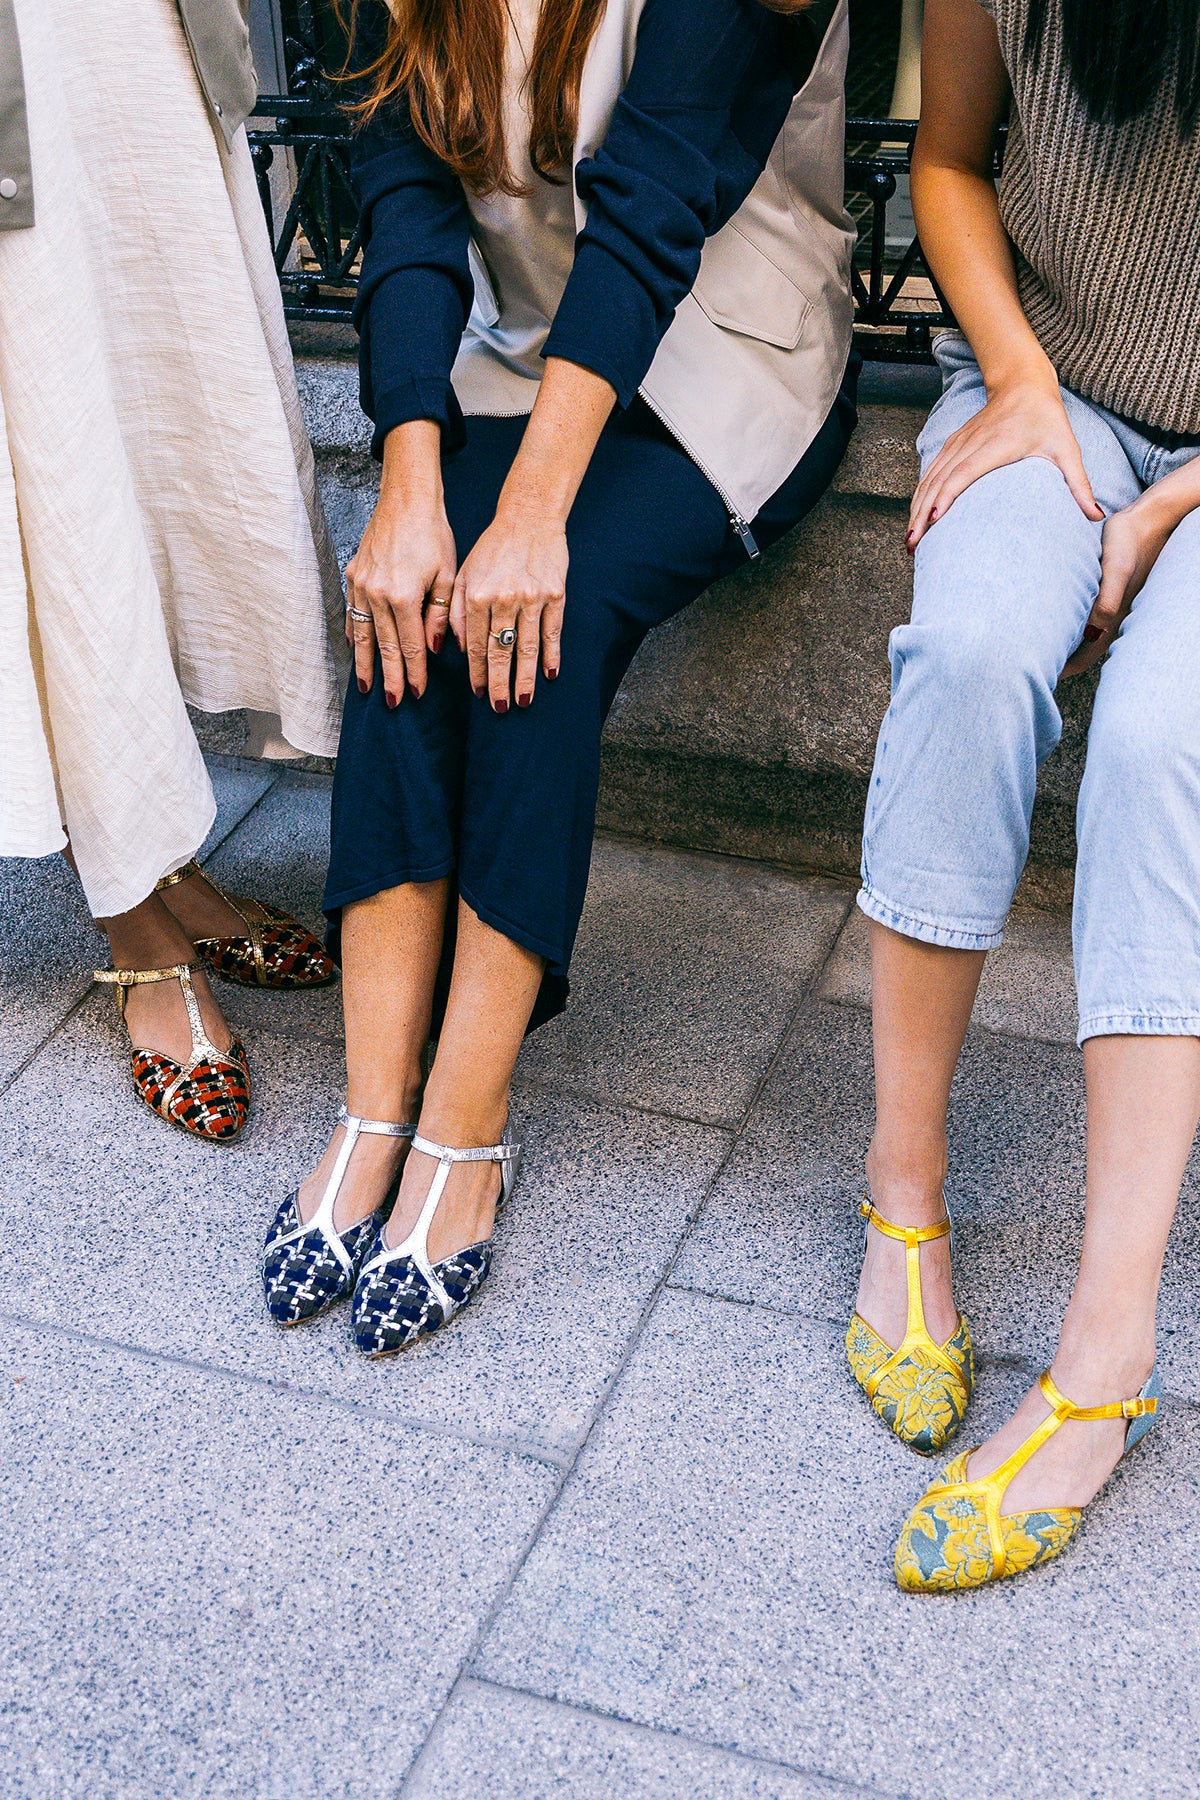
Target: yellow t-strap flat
[921,1388]
[957,1537]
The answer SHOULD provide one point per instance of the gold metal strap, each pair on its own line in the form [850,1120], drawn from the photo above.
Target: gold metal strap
[185,874]
[904,1234]
[1136,1408]
[916,1333]
[127,978]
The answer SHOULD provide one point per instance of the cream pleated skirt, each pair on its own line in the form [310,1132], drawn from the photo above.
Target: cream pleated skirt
[161,540]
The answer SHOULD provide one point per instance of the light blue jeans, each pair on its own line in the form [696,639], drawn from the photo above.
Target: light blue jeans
[1004,584]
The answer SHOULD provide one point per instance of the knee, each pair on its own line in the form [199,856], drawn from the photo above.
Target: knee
[973,664]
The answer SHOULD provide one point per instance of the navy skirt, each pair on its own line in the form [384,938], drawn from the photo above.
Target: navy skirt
[505,803]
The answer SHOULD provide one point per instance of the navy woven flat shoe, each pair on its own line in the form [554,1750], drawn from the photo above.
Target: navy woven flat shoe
[401,1297]
[306,1269]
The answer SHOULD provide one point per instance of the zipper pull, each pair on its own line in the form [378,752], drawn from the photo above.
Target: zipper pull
[747,536]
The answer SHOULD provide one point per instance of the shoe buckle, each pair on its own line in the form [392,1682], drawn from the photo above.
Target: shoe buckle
[1133,1409]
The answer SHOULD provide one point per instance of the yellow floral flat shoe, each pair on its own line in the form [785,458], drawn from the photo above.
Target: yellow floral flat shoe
[956,1536]
[920,1389]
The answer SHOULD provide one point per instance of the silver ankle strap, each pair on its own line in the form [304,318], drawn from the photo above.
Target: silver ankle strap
[322,1219]
[416,1244]
[374,1127]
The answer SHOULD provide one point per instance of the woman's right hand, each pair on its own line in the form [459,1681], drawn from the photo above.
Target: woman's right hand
[403,570]
[1027,419]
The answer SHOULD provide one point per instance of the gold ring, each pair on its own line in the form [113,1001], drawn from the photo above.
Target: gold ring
[439,602]
[505,638]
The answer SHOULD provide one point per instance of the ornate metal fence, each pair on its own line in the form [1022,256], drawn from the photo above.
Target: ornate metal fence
[314,229]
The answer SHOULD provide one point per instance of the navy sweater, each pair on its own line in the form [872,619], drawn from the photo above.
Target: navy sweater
[708,92]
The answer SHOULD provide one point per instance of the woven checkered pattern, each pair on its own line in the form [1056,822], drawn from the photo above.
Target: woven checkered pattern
[292,956]
[393,1305]
[303,1279]
[212,1102]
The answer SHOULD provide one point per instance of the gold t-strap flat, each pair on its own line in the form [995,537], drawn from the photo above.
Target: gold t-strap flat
[209,1095]
[921,1388]
[957,1537]
[276,950]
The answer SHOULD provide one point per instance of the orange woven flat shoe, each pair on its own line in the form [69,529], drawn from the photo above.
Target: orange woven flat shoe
[276,952]
[209,1095]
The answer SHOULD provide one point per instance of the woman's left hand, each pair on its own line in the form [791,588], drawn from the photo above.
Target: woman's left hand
[1133,541]
[515,579]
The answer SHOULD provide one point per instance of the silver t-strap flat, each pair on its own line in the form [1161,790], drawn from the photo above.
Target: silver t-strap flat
[401,1295]
[307,1268]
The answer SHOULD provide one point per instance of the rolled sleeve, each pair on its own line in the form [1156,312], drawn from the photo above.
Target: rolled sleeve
[690,135]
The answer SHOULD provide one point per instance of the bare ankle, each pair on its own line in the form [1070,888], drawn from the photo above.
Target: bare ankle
[1102,1360]
[395,1102]
[463,1120]
[908,1188]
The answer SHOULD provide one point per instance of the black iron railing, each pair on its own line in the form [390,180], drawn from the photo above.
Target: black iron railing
[309,203]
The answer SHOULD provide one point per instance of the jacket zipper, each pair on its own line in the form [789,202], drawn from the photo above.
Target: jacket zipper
[740,526]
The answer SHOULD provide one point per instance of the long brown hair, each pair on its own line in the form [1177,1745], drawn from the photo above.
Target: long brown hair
[446,59]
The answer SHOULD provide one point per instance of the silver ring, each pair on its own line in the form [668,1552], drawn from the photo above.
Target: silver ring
[506,638]
[360,618]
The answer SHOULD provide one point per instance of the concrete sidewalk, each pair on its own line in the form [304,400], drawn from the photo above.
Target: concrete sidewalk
[626,1527]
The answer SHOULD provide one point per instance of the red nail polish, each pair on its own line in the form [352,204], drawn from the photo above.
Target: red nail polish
[1092,634]
[393,700]
[479,692]
[502,706]
[551,674]
[524,699]
[364,687]
[911,549]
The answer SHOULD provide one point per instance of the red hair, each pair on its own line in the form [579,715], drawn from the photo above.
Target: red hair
[446,59]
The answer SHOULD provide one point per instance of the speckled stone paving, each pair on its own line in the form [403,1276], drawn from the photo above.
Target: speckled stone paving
[625,1528]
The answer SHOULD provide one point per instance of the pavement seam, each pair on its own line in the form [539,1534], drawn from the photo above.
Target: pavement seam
[466,1667]
[837,1784]
[288,1390]
[1003,1359]
[618,1103]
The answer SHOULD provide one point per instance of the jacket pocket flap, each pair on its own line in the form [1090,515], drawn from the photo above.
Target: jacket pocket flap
[742,290]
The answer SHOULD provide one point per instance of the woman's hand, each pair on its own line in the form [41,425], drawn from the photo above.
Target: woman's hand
[1133,542]
[1028,419]
[406,559]
[514,580]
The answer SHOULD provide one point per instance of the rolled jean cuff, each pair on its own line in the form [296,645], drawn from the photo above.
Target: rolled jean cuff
[927,931]
[1138,1024]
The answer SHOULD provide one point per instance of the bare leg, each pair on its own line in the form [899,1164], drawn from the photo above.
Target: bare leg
[150,937]
[391,947]
[492,993]
[1143,1107]
[921,998]
[201,910]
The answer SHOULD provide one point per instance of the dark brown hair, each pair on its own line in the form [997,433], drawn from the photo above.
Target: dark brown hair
[446,59]
[1121,53]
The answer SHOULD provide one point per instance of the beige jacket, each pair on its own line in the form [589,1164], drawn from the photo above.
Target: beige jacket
[752,362]
[219,36]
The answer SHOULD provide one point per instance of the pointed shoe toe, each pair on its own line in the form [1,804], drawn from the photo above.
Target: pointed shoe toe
[396,1304]
[307,1268]
[957,1537]
[302,1276]
[921,1396]
[401,1295]
[947,1543]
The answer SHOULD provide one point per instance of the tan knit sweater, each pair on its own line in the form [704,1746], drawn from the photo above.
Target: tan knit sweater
[1106,228]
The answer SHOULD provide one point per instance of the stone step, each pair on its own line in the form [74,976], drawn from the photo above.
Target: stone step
[747,724]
